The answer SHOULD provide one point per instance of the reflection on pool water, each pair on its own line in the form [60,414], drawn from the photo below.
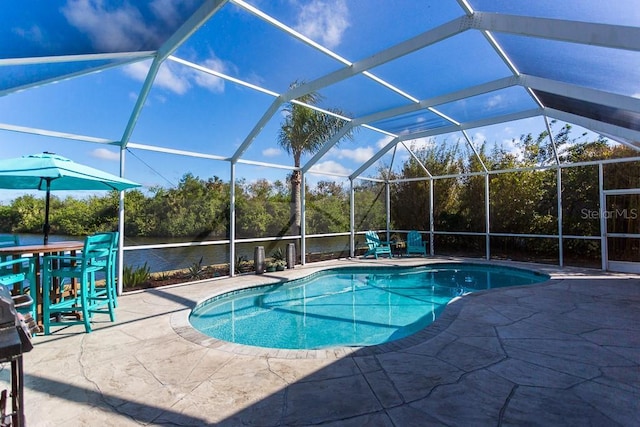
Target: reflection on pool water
[354,306]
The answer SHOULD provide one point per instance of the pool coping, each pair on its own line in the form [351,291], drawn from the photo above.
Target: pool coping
[182,326]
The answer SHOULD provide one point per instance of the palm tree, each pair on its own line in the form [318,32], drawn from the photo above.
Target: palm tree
[305,131]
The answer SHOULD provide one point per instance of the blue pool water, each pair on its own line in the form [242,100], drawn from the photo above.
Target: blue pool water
[355,306]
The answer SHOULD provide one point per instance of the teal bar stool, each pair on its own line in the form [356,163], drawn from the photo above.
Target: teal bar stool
[62,307]
[109,268]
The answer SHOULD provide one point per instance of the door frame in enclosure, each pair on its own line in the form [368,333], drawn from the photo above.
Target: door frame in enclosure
[605,217]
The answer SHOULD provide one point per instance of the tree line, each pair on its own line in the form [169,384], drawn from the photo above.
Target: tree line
[521,202]
[195,209]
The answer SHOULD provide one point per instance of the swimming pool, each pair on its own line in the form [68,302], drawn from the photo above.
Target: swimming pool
[346,307]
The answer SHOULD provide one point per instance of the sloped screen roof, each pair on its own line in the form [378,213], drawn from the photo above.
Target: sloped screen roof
[403,69]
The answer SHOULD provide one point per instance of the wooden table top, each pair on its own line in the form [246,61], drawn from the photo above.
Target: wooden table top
[69,245]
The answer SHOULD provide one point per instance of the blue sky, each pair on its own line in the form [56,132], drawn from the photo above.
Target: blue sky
[194,111]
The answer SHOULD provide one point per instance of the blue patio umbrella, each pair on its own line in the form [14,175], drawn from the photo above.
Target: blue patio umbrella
[50,172]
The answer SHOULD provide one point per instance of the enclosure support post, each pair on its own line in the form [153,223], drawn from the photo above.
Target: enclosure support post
[388,198]
[232,220]
[560,239]
[603,222]
[487,221]
[303,220]
[352,219]
[431,227]
[120,260]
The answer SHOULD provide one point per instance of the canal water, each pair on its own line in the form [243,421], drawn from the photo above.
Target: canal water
[183,257]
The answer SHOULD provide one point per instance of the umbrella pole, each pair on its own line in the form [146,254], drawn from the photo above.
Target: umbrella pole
[46,226]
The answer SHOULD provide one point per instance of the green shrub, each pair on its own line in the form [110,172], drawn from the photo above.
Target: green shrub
[135,276]
[195,270]
[278,254]
[163,275]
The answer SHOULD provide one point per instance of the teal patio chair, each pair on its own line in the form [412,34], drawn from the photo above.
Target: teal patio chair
[8,240]
[109,268]
[19,276]
[376,246]
[415,245]
[79,305]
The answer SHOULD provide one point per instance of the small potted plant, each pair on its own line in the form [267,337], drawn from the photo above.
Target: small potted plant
[270,266]
[280,265]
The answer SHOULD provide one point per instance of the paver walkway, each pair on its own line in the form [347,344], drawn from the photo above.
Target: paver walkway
[566,352]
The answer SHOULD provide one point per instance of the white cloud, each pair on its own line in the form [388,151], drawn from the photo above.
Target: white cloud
[109,29]
[178,79]
[360,154]
[208,81]
[509,145]
[170,78]
[167,10]
[382,142]
[104,154]
[123,27]
[494,101]
[324,21]
[330,167]
[33,34]
[137,70]
[166,77]
[478,138]
[271,152]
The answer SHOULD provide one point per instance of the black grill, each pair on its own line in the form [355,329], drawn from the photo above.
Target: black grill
[15,339]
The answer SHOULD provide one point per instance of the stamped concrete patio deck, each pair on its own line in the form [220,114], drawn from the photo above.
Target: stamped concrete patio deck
[565,352]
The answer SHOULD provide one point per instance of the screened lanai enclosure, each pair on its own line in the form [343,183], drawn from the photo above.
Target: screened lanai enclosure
[496,128]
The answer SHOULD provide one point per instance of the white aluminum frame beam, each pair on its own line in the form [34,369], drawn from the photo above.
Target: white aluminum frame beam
[478,20]
[581,93]
[127,58]
[221,75]
[442,130]
[470,142]
[628,137]
[290,31]
[199,17]
[186,29]
[491,86]
[588,33]
[424,104]
[552,140]
[375,158]
[140,101]
[55,134]
[327,146]
[408,46]
[124,56]
[422,166]
[474,124]
[257,128]
[190,26]
[404,48]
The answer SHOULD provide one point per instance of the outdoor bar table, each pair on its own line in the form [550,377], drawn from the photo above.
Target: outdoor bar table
[36,251]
